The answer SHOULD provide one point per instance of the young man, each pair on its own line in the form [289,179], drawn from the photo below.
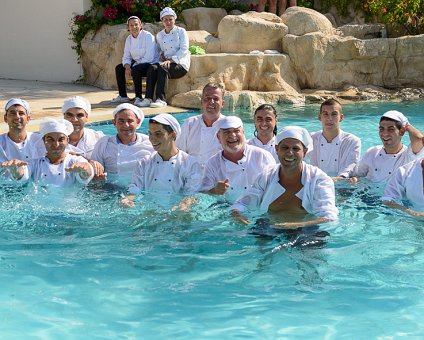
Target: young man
[18,143]
[380,162]
[335,152]
[82,140]
[198,133]
[168,170]
[140,52]
[119,154]
[235,169]
[57,167]
[292,188]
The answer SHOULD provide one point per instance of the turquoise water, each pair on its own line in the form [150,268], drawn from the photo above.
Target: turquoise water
[73,264]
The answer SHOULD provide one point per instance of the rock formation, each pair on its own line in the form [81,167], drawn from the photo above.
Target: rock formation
[316,60]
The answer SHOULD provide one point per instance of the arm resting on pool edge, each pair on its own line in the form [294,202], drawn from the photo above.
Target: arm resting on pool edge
[400,207]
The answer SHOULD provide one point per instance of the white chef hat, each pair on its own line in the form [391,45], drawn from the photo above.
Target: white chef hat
[76,101]
[126,106]
[50,125]
[133,17]
[298,133]
[167,11]
[229,122]
[397,116]
[167,119]
[18,101]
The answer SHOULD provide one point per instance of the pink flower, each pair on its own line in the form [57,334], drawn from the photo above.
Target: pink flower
[383,10]
[110,13]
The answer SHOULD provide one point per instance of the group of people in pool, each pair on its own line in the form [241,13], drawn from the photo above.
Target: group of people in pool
[286,172]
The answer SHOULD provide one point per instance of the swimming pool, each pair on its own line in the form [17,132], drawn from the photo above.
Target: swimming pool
[74,264]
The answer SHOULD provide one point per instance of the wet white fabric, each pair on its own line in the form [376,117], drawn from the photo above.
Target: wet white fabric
[31,148]
[77,101]
[118,158]
[42,171]
[50,125]
[182,174]
[270,146]
[198,140]
[295,132]
[396,115]
[317,194]
[241,174]
[378,166]
[337,158]
[406,183]
[87,143]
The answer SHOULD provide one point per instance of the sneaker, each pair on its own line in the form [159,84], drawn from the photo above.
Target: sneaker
[143,103]
[158,103]
[137,102]
[120,99]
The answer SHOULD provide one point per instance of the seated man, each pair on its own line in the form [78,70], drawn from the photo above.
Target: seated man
[168,170]
[292,187]
[380,162]
[82,140]
[407,183]
[198,133]
[335,152]
[18,143]
[119,154]
[235,169]
[57,168]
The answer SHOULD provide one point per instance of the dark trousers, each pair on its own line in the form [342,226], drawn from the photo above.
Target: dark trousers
[157,76]
[137,72]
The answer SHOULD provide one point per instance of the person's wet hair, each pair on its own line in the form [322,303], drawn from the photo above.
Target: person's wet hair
[397,123]
[167,128]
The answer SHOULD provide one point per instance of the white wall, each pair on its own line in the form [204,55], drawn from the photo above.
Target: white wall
[34,39]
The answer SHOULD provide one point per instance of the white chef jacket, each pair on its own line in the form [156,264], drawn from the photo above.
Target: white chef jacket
[182,173]
[317,194]
[406,182]
[42,171]
[143,49]
[241,174]
[31,148]
[174,45]
[377,166]
[87,142]
[270,146]
[198,140]
[118,158]
[337,158]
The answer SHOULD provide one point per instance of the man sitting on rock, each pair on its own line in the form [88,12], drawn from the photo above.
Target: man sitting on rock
[291,189]
[379,163]
[335,152]
[235,169]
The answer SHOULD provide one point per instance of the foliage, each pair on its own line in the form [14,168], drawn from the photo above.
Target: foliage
[405,15]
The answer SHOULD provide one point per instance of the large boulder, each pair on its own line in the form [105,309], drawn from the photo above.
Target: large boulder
[251,31]
[238,72]
[205,40]
[202,18]
[301,20]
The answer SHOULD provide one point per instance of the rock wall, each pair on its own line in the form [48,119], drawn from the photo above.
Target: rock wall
[314,56]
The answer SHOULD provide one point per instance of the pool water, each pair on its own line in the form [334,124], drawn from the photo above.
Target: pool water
[73,264]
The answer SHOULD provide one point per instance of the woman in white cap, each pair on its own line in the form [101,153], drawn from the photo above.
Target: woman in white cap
[168,170]
[57,168]
[18,143]
[380,162]
[292,188]
[140,52]
[82,140]
[407,183]
[119,154]
[174,59]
